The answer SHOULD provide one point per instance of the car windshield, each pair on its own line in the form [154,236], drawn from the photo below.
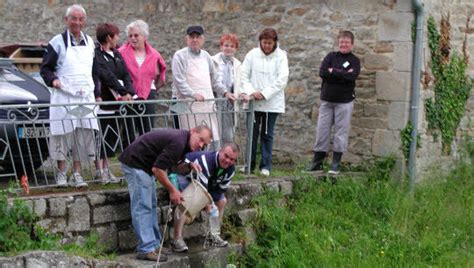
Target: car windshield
[7,76]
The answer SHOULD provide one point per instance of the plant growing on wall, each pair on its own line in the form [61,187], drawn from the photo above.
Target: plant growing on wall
[406,138]
[451,86]
[17,226]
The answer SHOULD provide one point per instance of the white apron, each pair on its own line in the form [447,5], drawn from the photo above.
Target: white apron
[199,79]
[75,75]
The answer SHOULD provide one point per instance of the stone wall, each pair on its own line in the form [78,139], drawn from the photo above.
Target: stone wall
[75,215]
[307,31]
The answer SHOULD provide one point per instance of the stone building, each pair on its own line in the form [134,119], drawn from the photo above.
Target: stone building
[307,31]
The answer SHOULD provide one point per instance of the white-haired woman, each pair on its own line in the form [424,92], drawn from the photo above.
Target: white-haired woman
[146,67]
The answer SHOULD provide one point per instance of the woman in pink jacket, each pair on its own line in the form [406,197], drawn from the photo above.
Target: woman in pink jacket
[147,70]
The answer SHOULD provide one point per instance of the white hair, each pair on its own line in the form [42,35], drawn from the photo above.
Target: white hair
[139,25]
[75,7]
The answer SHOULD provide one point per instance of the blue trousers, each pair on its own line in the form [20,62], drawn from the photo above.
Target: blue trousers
[263,126]
[143,205]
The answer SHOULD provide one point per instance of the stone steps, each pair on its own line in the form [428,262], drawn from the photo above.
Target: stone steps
[196,257]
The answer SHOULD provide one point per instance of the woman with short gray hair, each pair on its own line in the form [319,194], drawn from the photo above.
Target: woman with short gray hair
[146,67]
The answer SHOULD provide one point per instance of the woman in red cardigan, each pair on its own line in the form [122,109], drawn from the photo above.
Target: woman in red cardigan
[146,67]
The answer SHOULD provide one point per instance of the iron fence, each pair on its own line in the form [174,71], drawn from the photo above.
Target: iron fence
[25,133]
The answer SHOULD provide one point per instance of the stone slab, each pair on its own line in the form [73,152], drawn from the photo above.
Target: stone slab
[108,236]
[403,56]
[96,199]
[398,113]
[386,142]
[79,216]
[286,187]
[245,216]
[392,86]
[127,239]
[377,62]
[111,213]
[395,26]
[40,207]
[57,206]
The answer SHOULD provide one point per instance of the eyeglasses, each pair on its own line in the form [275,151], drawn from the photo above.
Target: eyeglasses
[133,35]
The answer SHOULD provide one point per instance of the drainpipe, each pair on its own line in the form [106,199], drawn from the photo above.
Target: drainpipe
[415,92]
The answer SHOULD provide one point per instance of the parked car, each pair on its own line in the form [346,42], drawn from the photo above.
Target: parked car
[23,129]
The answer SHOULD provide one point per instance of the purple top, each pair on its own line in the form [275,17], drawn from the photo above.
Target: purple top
[161,148]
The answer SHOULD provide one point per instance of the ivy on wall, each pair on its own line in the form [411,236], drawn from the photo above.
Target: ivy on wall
[406,138]
[451,84]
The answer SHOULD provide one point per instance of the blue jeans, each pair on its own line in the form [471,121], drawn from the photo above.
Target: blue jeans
[143,203]
[264,126]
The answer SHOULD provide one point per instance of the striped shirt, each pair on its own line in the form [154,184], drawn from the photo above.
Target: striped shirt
[215,179]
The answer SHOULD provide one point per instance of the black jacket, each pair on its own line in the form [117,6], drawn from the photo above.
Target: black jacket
[111,70]
[339,85]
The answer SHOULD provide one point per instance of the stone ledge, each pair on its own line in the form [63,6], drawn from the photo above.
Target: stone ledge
[197,257]
[108,212]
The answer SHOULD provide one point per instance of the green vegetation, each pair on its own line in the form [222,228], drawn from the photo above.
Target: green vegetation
[19,232]
[17,227]
[91,248]
[368,223]
[451,87]
[405,135]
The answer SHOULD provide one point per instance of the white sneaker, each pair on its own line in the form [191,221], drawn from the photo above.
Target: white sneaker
[61,180]
[265,172]
[77,181]
[112,178]
[217,241]
[179,245]
[333,172]
[101,176]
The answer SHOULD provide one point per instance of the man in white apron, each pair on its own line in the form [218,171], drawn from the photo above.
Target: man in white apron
[195,77]
[68,68]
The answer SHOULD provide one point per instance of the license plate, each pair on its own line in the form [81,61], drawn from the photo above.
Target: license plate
[33,132]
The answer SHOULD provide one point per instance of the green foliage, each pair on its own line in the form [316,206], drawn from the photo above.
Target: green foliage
[19,232]
[433,43]
[17,227]
[452,89]
[90,248]
[354,224]
[380,169]
[405,135]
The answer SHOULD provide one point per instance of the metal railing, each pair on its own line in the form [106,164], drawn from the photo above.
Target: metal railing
[25,132]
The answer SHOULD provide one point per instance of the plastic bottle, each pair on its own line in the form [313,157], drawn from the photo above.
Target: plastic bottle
[173,177]
[214,222]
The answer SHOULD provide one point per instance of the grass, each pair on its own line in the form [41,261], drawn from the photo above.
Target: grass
[369,223]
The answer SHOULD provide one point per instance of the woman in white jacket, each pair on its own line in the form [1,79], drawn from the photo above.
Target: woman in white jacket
[228,69]
[264,78]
